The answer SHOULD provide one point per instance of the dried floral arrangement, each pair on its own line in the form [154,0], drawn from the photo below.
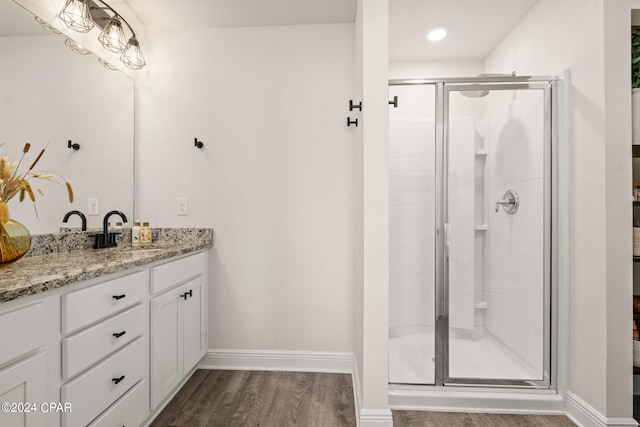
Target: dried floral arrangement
[13,183]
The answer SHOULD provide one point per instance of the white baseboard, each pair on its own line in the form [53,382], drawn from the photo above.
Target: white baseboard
[357,391]
[270,360]
[375,418]
[586,415]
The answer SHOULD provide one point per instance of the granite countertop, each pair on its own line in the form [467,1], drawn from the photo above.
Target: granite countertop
[35,274]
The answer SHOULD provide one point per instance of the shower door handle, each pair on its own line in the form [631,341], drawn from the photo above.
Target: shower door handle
[447,234]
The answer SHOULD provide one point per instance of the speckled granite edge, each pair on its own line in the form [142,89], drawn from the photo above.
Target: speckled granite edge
[40,273]
[70,239]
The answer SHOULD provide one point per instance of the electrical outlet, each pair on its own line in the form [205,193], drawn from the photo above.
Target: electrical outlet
[92,207]
[183,206]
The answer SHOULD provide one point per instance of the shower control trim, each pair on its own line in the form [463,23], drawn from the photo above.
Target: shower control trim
[509,202]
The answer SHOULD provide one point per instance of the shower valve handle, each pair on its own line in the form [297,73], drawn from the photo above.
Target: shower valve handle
[503,202]
[509,202]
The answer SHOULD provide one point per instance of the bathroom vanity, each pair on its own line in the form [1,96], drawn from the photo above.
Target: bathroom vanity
[100,337]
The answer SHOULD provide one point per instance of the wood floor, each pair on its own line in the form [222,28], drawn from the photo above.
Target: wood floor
[267,399]
[302,399]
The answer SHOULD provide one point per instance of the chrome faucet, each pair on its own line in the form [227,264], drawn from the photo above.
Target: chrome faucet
[80,214]
[107,239]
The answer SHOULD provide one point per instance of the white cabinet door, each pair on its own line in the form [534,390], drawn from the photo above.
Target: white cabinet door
[177,341]
[166,344]
[24,382]
[193,343]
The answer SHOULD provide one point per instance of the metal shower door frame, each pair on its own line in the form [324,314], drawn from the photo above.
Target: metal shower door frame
[443,87]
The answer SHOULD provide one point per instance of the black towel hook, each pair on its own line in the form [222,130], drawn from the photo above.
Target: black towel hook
[198,144]
[74,146]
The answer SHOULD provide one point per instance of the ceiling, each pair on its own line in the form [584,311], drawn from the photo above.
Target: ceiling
[171,14]
[476,25]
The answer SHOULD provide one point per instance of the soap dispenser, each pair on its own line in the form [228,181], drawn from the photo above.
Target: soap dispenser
[135,233]
[145,233]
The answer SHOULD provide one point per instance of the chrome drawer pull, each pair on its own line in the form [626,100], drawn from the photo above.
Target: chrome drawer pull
[117,297]
[117,380]
[119,334]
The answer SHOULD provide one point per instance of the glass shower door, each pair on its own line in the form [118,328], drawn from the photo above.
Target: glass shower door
[496,244]
[412,223]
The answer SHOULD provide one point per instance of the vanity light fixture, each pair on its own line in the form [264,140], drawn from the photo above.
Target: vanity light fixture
[132,55]
[75,14]
[83,15]
[112,37]
[437,33]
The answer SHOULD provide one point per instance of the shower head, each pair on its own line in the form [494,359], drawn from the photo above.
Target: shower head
[474,93]
[483,93]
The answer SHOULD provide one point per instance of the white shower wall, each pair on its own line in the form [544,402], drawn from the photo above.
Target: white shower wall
[514,287]
[460,201]
[412,220]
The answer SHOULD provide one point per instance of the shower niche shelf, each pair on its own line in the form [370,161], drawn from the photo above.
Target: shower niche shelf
[482,152]
[482,227]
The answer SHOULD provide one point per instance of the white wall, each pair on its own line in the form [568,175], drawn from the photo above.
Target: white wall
[275,179]
[373,288]
[434,69]
[570,34]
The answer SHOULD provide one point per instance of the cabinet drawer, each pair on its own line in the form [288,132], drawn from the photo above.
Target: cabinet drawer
[166,275]
[130,411]
[94,391]
[83,349]
[80,308]
[21,331]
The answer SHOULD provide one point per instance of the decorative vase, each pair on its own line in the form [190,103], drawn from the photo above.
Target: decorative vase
[15,239]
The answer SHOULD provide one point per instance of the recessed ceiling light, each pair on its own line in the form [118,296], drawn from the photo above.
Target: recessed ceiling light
[437,33]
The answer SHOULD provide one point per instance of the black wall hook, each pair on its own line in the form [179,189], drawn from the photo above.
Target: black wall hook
[198,144]
[352,122]
[75,147]
[353,106]
[394,102]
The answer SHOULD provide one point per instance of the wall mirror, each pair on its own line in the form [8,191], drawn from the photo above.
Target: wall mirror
[50,95]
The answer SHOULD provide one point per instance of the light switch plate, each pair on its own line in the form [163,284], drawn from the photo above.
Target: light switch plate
[92,206]
[183,206]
